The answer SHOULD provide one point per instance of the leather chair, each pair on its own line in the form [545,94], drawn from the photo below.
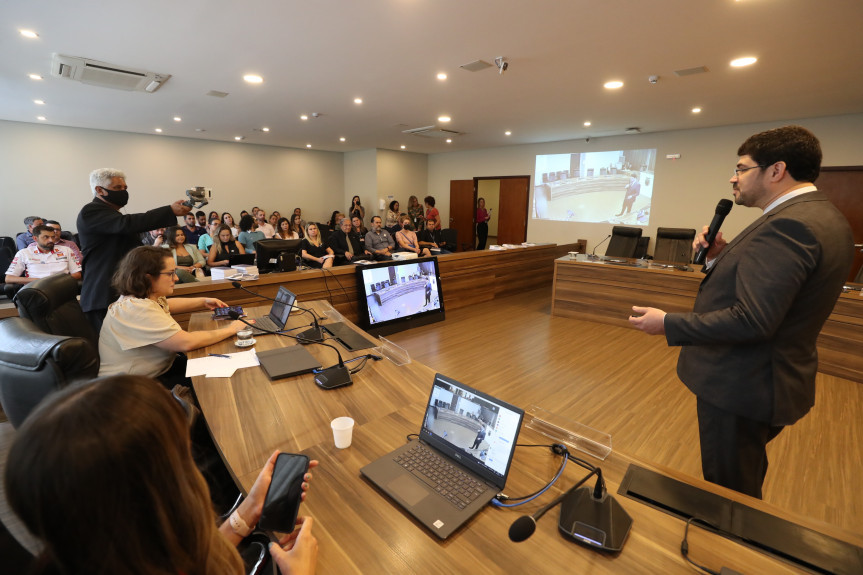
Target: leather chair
[450,236]
[52,304]
[624,242]
[34,363]
[674,245]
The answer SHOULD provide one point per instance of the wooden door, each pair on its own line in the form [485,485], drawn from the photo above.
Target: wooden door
[462,212]
[512,218]
[844,187]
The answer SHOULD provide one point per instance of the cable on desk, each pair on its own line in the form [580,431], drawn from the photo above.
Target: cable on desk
[684,546]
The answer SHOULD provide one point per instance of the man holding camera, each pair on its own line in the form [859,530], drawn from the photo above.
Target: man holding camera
[107,235]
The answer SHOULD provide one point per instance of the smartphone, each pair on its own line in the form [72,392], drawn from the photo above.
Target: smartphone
[225,312]
[282,502]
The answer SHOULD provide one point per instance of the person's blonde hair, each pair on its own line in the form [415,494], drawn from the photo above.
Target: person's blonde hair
[309,237]
[103,474]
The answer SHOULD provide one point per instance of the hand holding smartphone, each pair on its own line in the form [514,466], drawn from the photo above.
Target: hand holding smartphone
[282,503]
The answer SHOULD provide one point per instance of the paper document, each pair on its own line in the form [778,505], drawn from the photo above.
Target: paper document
[221,366]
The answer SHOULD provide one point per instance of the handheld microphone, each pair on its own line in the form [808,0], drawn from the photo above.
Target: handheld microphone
[311,335]
[722,209]
[593,253]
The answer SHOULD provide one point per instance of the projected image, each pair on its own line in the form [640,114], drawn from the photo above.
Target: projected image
[400,291]
[614,187]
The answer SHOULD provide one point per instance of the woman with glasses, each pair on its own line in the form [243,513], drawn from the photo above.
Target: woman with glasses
[139,336]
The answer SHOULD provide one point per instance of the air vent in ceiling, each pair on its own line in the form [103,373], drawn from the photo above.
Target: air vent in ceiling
[691,71]
[475,66]
[106,75]
[432,132]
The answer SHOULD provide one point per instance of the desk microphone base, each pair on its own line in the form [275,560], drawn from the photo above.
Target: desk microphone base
[333,377]
[312,335]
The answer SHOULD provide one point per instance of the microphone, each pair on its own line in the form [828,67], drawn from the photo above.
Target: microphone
[524,526]
[238,285]
[593,253]
[722,209]
[311,335]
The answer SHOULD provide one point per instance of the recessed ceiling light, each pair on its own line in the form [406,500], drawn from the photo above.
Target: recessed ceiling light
[403,147]
[35,77]
[158,130]
[304,117]
[238,138]
[741,62]
[587,124]
[444,119]
[308,145]
[613,85]
[265,129]
[358,100]
[178,119]
[40,102]
[696,110]
[40,118]
[253,79]
[441,76]
[449,141]
[507,133]
[341,139]
[29,33]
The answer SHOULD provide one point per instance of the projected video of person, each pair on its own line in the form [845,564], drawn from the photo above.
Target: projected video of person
[401,291]
[462,419]
[612,186]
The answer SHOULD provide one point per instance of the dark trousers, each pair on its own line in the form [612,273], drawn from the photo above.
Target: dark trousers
[481,235]
[733,449]
[96,318]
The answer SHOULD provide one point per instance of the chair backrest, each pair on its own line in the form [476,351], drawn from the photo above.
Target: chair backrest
[674,245]
[624,242]
[450,236]
[641,248]
[8,242]
[33,364]
[52,304]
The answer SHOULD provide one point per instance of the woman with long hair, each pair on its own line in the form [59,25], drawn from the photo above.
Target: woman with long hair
[392,221]
[228,220]
[223,248]
[187,257]
[249,233]
[356,208]
[360,229]
[417,213]
[284,231]
[110,493]
[315,252]
[297,225]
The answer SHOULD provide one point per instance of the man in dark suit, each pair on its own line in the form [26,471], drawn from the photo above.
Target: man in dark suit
[749,344]
[345,243]
[106,236]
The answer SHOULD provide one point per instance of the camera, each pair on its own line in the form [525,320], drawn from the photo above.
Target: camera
[198,194]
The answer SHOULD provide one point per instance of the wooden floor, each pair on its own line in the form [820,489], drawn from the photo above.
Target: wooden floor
[623,382]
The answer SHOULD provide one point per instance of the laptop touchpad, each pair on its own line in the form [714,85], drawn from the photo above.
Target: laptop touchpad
[407,489]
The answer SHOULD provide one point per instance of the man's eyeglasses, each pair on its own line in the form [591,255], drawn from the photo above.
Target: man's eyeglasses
[738,171]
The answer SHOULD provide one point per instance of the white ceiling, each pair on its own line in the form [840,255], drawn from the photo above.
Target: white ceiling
[317,56]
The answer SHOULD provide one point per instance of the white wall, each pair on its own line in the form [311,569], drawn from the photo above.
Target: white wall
[361,177]
[44,171]
[686,190]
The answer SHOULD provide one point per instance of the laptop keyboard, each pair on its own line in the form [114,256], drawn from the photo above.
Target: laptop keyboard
[441,475]
[266,323]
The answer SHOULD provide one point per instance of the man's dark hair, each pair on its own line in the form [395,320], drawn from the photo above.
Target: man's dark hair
[200,213]
[39,229]
[429,200]
[373,219]
[52,222]
[246,223]
[794,145]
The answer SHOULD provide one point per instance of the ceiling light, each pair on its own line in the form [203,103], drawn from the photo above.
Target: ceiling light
[341,139]
[696,110]
[741,62]
[265,129]
[507,133]
[40,118]
[178,119]
[444,119]
[35,77]
[304,117]
[308,145]
[449,141]
[587,124]
[253,79]
[403,147]
[238,138]
[159,130]
[40,102]
[358,100]
[29,33]
[441,76]
[613,85]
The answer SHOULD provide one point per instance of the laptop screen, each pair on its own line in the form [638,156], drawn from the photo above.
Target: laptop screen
[476,429]
[282,306]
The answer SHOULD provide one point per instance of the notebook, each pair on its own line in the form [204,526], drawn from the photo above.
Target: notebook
[279,312]
[471,436]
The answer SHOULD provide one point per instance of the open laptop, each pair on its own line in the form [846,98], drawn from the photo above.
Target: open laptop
[279,312]
[470,437]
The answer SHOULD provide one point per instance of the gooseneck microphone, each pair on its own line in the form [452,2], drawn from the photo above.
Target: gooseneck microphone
[722,209]
[313,334]
[593,253]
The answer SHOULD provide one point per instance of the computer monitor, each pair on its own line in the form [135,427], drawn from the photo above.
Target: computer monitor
[276,254]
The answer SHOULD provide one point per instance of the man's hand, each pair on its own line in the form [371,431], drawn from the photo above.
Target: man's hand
[650,320]
[179,208]
[718,243]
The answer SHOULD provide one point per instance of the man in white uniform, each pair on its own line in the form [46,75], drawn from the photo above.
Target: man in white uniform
[42,259]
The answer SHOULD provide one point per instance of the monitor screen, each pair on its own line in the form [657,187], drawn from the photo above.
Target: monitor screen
[268,251]
[398,295]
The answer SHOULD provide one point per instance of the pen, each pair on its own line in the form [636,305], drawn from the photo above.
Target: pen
[219,355]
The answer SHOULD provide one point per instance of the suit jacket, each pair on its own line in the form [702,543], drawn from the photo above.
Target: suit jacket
[106,236]
[749,343]
[338,242]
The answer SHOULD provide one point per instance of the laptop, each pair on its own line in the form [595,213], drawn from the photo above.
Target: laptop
[469,438]
[279,312]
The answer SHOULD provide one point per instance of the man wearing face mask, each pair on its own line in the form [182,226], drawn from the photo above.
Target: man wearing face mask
[106,235]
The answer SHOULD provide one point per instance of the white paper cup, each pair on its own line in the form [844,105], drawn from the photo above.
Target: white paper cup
[343,428]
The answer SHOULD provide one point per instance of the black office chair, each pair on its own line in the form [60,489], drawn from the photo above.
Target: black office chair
[641,247]
[674,245]
[624,242]
[34,363]
[52,304]
[8,242]
[450,236]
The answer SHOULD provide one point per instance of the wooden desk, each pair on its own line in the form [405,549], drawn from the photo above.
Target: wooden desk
[606,292]
[361,531]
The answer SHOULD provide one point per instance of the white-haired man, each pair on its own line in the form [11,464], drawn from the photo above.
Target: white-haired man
[106,236]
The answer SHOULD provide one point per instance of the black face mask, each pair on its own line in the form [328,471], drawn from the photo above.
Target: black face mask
[408,227]
[116,197]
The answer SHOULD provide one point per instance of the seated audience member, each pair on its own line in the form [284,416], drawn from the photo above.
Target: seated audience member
[213,214]
[407,239]
[284,231]
[416,212]
[191,229]
[333,223]
[379,241]
[225,247]
[205,241]
[431,211]
[298,225]
[201,219]
[139,336]
[345,243]
[249,233]
[359,229]
[356,208]
[228,220]
[264,226]
[431,238]
[41,259]
[243,213]
[82,458]
[274,219]
[59,241]
[26,238]
[153,238]
[187,257]
[392,222]
[315,252]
